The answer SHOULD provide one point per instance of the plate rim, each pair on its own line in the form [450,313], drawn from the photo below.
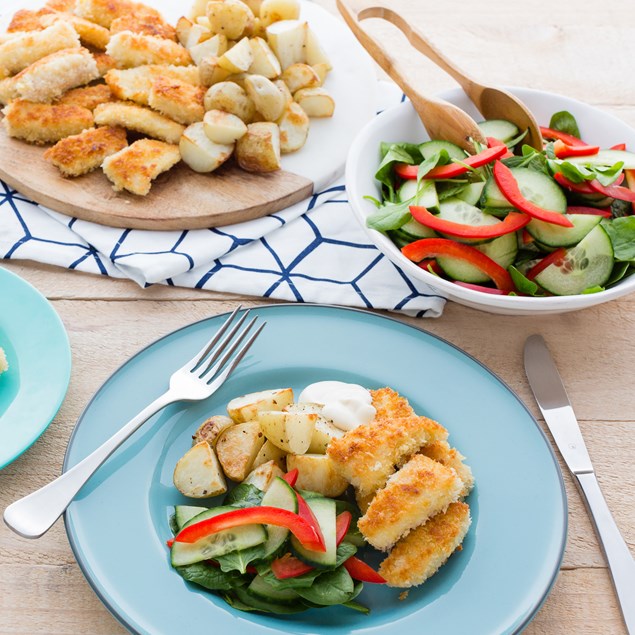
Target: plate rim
[563,495]
[65,365]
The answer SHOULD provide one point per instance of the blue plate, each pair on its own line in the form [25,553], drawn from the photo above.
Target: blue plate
[39,356]
[510,558]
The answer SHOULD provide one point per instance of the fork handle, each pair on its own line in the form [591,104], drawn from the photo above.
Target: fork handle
[619,558]
[36,513]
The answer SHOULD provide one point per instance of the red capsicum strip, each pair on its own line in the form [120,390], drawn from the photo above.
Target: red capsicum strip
[433,247]
[619,146]
[594,211]
[359,570]
[510,190]
[289,566]
[305,512]
[555,257]
[342,523]
[492,142]
[563,150]
[453,169]
[513,221]
[550,133]
[298,526]
[614,191]
[478,287]
[630,181]
[430,263]
[580,188]
[291,477]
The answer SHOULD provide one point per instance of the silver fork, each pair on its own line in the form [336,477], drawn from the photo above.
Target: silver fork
[202,376]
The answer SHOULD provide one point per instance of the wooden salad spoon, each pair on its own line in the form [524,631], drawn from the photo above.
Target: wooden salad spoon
[441,119]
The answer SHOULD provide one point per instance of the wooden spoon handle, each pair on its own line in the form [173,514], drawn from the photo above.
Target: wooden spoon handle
[441,119]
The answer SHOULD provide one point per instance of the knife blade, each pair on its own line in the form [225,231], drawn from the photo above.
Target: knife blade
[551,396]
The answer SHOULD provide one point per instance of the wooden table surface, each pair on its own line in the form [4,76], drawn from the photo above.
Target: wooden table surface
[576,48]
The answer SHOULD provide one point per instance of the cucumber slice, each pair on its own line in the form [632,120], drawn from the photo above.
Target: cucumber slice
[262,589]
[534,186]
[425,194]
[430,148]
[586,265]
[502,250]
[607,158]
[415,230]
[266,605]
[499,129]
[280,494]
[458,211]
[471,193]
[185,513]
[556,236]
[324,510]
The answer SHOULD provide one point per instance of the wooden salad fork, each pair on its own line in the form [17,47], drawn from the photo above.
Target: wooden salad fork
[441,119]
[197,379]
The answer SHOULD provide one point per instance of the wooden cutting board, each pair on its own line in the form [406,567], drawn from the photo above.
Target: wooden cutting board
[179,199]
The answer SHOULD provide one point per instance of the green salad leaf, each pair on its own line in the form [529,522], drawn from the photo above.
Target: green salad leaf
[390,216]
[621,231]
[211,577]
[239,560]
[332,587]
[564,121]
[356,606]
[524,284]
[620,270]
[395,153]
[621,208]
[244,495]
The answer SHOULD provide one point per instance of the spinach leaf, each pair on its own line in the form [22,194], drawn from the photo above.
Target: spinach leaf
[356,606]
[174,528]
[301,581]
[595,289]
[607,175]
[575,173]
[621,231]
[564,121]
[211,577]
[235,603]
[438,158]
[344,551]
[619,272]
[332,587]
[244,495]
[390,216]
[238,560]
[409,148]
[447,189]
[524,284]
[531,159]
[621,208]
[396,153]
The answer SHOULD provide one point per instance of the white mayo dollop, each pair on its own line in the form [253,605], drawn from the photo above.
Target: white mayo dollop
[346,405]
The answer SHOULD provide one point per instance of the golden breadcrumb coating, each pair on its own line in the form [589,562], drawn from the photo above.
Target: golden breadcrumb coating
[27,20]
[420,554]
[90,34]
[367,455]
[130,49]
[134,84]
[135,167]
[8,91]
[44,123]
[421,489]
[144,23]
[54,74]
[442,452]
[103,12]
[363,500]
[87,96]
[60,5]
[178,100]
[85,152]
[104,62]
[140,119]
[24,49]
[390,404]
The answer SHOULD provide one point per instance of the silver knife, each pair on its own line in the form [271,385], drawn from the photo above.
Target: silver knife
[555,406]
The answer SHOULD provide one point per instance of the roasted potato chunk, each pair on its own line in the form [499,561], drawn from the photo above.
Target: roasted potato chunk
[294,128]
[211,429]
[223,127]
[230,97]
[238,58]
[237,447]
[314,52]
[315,102]
[299,76]
[232,18]
[208,48]
[270,452]
[287,40]
[247,407]
[198,474]
[290,431]
[200,152]
[259,149]
[263,475]
[317,473]
[275,10]
[268,99]
[264,62]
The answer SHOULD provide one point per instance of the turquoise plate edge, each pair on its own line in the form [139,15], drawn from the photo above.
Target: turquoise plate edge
[62,363]
[522,624]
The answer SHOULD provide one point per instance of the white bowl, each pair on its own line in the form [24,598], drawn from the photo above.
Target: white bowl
[401,123]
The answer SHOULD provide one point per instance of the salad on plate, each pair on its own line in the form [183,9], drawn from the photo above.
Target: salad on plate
[509,219]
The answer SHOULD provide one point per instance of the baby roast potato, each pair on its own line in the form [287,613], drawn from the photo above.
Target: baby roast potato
[315,102]
[232,18]
[211,429]
[212,47]
[313,51]
[270,452]
[264,62]
[223,127]
[198,474]
[287,40]
[294,128]
[200,152]
[275,10]
[324,430]
[268,99]
[259,149]
[231,98]
[247,407]
[290,431]
[238,58]
[262,476]
[237,447]
[317,473]
[299,76]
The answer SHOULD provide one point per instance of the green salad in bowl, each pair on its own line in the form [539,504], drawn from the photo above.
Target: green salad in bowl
[509,219]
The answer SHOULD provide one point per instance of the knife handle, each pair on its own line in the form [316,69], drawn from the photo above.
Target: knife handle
[619,558]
